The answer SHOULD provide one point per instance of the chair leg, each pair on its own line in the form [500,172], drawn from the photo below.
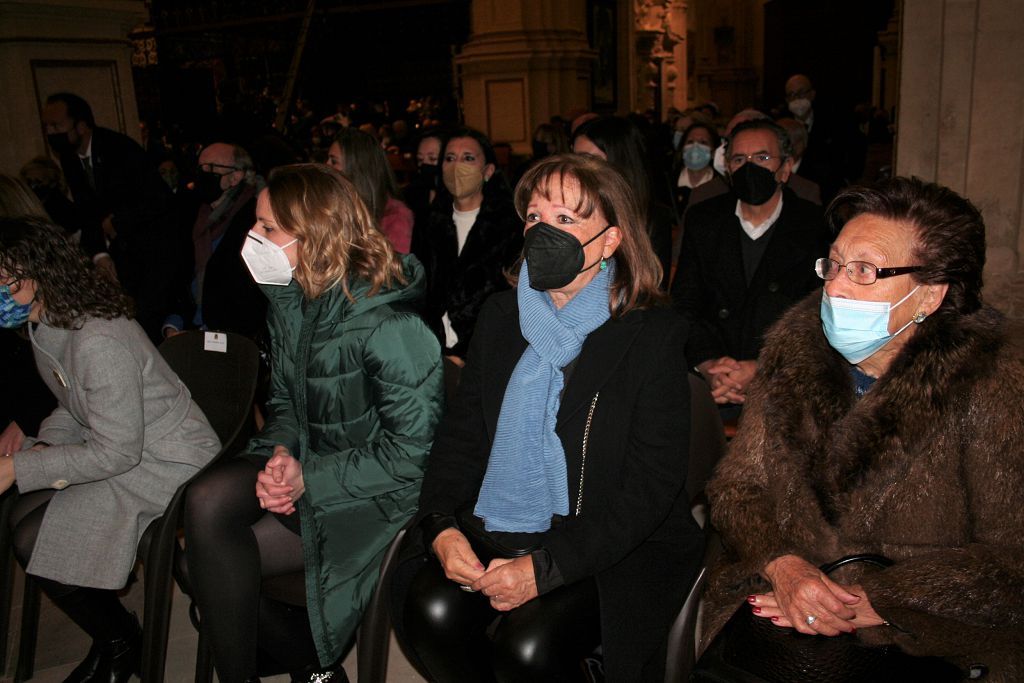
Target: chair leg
[373,641]
[156,616]
[29,631]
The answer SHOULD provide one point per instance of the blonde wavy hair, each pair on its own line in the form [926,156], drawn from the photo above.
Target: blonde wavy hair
[338,238]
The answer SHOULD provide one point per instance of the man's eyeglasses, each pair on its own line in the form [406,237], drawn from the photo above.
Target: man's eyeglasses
[859,272]
[218,169]
[760,158]
[803,92]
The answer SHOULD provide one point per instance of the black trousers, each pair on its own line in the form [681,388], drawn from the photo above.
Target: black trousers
[456,636]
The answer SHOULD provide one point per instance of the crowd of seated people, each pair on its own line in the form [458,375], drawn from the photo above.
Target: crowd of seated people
[452,339]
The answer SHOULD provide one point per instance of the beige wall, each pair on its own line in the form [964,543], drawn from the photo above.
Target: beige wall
[52,45]
[961,120]
[525,61]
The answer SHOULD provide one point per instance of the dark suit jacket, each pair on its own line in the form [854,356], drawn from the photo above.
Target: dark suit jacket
[232,301]
[460,283]
[635,533]
[130,188]
[727,317]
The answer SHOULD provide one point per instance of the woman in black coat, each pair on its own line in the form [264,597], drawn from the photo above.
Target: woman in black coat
[472,237]
[611,562]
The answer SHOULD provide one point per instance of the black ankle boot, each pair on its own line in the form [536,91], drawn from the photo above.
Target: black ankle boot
[113,661]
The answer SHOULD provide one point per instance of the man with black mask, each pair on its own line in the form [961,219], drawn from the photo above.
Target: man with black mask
[222,294]
[118,191]
[746,257]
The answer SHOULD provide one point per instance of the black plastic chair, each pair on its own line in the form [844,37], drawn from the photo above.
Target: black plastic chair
[707,445]
[223,384]
[373,639]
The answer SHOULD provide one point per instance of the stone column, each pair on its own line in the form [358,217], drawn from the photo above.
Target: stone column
[525,61]
[47,46]
[961,104]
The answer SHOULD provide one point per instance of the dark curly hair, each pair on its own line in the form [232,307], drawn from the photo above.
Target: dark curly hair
[948,233]
[67,283]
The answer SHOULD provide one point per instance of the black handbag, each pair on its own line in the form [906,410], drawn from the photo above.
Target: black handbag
[488,545]
[751,649]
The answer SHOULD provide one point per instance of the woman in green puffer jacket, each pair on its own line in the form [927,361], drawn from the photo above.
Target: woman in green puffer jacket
[356,390]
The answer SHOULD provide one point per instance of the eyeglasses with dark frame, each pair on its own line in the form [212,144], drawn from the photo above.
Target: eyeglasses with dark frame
[859,272]
[209,168]
[762,159]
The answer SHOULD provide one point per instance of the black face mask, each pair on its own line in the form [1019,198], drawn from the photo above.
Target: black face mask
[753,184]
[207,186]
[554,256]
[60,143]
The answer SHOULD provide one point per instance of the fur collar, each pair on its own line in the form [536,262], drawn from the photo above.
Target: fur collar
[838,440]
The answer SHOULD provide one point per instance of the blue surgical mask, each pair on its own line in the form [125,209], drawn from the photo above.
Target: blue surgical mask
[12,314]
[857,329]
[696,156]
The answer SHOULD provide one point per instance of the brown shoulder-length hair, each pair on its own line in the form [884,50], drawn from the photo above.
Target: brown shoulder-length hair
[602,188]
[337,238]
[67,282]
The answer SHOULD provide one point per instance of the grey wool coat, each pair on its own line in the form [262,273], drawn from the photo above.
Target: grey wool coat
[926,468]
[124,436]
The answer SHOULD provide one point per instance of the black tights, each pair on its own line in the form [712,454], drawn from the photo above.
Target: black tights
[96,611]
[231,546]
[457,636]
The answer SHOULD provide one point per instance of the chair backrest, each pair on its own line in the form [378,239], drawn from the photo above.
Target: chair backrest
[222,383]
[707,438]
[707,444]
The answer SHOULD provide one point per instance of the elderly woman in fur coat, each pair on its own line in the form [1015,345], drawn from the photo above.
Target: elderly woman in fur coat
[885,418]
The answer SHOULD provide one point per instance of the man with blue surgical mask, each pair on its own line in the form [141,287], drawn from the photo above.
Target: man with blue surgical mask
[746,257]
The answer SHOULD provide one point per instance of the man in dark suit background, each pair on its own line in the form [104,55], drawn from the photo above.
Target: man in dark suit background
[122,197]
[746,257]
[221,293]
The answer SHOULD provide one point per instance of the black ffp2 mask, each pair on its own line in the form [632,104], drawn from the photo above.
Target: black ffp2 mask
[753,184]
[554,256]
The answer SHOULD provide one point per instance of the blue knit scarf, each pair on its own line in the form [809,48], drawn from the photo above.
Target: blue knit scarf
[525,483]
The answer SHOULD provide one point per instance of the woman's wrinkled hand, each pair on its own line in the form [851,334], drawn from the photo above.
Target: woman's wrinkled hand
[280,483]
[460,563]
[508,583]
[801,590]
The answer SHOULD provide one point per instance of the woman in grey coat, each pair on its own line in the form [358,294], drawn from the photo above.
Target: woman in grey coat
[124,436]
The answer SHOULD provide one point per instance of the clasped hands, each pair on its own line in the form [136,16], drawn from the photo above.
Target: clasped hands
[801,590]
[280,483]
[506,583]
[728,378]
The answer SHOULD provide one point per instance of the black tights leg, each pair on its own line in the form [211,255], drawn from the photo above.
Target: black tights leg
[229,551]
[97,612]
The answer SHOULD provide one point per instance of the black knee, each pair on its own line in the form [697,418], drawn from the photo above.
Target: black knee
[435,607]
[530,655]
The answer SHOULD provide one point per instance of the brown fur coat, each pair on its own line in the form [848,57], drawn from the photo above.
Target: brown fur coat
[927,468]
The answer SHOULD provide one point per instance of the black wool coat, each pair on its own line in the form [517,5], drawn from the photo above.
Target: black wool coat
[926,468]
[460,283]
[727,316]
[635,533]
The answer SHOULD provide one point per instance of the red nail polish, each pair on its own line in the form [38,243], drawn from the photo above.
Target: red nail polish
[751,599]
[775,618]
[757,610]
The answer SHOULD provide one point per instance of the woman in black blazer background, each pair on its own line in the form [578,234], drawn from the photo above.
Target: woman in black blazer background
[611,544]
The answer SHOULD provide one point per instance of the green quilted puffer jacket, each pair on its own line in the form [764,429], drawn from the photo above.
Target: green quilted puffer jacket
[356,391]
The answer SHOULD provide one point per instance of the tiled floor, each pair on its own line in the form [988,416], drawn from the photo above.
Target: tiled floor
[61,645]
